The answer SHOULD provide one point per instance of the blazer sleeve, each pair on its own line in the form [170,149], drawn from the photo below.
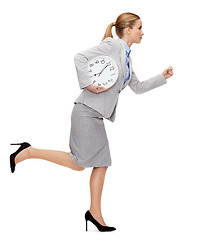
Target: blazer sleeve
[81,60]
[146,85]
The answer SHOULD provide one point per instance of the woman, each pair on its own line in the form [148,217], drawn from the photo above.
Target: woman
[88,140]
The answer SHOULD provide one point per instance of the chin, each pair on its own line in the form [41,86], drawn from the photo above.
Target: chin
[138,42]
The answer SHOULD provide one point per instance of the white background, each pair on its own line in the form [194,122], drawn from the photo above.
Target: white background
[152,189]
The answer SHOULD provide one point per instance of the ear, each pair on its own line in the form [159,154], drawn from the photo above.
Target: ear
[128,30]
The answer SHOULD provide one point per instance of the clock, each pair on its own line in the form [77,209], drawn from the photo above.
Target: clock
[103,71]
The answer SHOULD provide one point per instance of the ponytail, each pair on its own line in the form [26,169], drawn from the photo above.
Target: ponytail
[124,20]
[108,32]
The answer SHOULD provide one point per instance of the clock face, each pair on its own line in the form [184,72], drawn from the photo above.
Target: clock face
[103,71]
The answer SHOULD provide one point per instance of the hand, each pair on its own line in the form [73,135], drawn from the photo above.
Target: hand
[168,72]
[96,89]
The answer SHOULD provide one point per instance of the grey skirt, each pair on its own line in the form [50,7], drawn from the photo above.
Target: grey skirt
[88,140]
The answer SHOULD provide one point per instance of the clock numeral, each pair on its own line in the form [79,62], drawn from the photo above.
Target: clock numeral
[103,61]
[94,81]
[110,80]
[113,74]
[96,61]
[108,63]
[99,84]
[91,65]
[111,68]
[90,70]
[105,83]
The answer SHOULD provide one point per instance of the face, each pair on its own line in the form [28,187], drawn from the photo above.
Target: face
[135,34]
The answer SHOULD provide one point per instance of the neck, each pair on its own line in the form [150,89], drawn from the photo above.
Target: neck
[127,41]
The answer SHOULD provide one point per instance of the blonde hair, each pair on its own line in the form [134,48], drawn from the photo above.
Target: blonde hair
[124,20]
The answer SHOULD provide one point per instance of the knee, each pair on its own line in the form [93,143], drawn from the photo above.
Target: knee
[80,168]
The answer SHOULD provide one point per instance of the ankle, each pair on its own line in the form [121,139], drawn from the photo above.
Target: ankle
[95,212]
[98,216]
[24,154]
[29,152]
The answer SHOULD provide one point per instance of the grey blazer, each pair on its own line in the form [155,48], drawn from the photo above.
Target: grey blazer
[106,102]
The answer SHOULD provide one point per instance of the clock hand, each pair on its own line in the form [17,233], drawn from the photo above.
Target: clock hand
[96,74]
[104,68]
[101,71]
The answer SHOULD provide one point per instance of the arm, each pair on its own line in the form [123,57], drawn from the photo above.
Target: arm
[144,86]
[81,60]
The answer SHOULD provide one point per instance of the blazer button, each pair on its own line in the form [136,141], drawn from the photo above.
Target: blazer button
[119,91]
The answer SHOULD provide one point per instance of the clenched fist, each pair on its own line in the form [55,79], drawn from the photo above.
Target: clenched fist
[168,72]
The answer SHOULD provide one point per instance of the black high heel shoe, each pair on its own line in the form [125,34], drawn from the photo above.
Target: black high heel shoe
[89,217]
[13,155]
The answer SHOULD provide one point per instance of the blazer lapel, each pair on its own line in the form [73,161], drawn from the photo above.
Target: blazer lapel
[127,82]
[123,62]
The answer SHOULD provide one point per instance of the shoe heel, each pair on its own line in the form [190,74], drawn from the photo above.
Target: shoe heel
[16,144]
[86,225]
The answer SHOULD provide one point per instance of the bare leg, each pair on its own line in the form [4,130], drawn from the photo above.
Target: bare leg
[58,157]
[96,186]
